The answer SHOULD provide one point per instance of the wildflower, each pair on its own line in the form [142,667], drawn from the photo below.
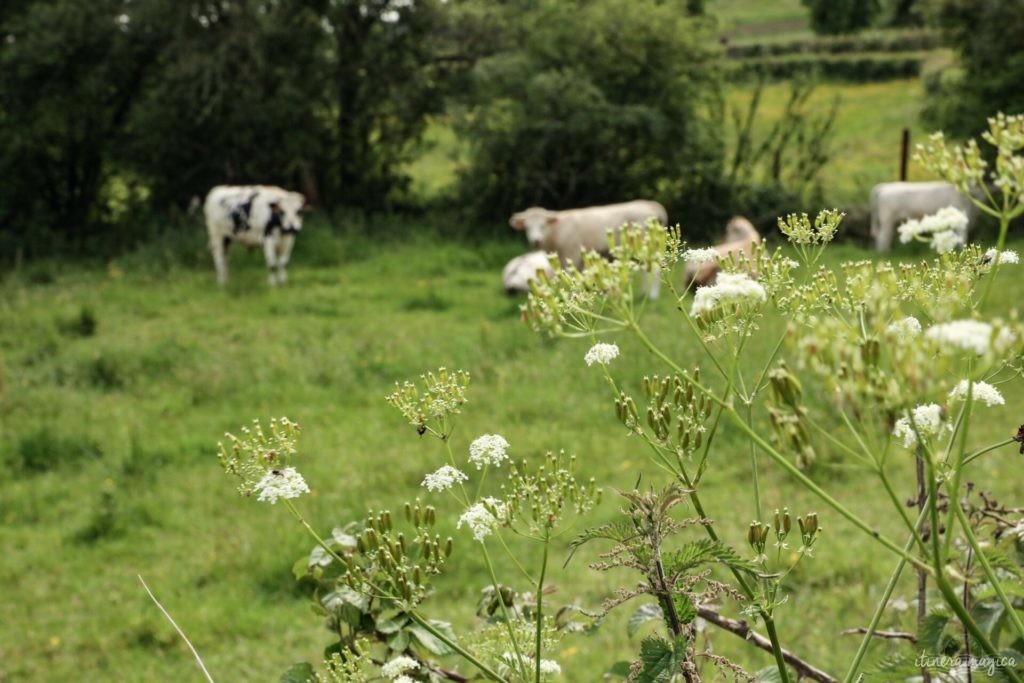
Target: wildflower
[403,679]
[728,288]
[698,256]
[479,520]
[946,241]
[444,478]
[906,329]
[981,391]
[602,354]
[394,668]
[286,483]
[1001,257]
[488,449]
[927,420]
[966,335]
[548,667]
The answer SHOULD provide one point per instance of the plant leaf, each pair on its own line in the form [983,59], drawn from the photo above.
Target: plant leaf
[660,659]
[428,640]
[299,673]
[646,612]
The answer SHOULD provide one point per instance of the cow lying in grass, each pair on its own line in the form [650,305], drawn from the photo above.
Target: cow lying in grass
[740,239]
[570,233]
[253,215]
[521,270]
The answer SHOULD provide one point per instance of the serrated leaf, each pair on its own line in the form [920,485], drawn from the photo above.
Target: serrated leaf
[299,673]
[660,659]
[620,669]
[645,613]
[704,551]
[685,609]
[929,634]
[614,531]
[345,595]
[769,674]
[431,642]
[342,539]
[318,557]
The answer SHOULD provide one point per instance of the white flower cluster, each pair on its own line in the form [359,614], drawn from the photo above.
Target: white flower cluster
[698,256]
[548,667]
[947,229]
[927,419]
[480,520]
[395,668]
[444,478]
[967,335]
[602,353]
[488,449]
[286,483]
[728,288]
[1008,257]
[980,391]
[905,330]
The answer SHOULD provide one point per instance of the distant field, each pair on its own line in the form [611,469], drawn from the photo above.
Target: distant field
[866,139]
[756,21]
[108,436]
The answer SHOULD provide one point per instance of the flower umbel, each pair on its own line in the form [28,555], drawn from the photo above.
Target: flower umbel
[927,420]
[393,668]
[257,452]
[444,478]
[602,354]
[479,520]
[488,449]
[980,391]
[729,288]
[286,483]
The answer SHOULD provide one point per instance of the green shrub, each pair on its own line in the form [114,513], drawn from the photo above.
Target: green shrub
[859,69]
[888,41]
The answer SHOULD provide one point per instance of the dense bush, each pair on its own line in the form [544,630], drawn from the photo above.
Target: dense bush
[607,101]
[859,69]
[888,41]
[991,75]
[842,16]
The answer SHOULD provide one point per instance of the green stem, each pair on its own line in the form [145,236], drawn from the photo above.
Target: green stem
[993,580]
[851,674]
[504,613]
[1004,224]
[780,662]
[540,611]
[462,652]
[313,533]
[779,458]
[896,502]
[986,449]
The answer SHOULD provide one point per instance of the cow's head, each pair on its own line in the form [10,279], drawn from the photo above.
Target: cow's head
[288,210]
[538,223]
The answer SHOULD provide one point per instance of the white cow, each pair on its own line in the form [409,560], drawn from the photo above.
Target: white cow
[740,239]
[521,270]
[569,233]
[894,203]
[254,215]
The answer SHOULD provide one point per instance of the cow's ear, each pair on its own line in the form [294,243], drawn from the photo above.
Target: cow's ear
[275,207]
[552,221]
[517,222]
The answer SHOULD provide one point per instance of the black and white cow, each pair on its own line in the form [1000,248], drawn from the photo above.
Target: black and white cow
[253,215]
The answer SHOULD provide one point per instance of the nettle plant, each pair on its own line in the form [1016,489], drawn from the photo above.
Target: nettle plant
[902,351]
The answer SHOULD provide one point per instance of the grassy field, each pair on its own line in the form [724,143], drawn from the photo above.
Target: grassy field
[109,438]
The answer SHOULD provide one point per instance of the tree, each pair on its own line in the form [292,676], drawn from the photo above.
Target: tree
[601,101]
[833,17]
[990,77]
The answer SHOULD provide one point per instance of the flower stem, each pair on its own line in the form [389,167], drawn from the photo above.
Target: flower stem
[504,613]
[330,551]
[540,611]
[769,626]
[458,649]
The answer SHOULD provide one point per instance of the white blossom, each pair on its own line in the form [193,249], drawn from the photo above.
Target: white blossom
[444,478]
[946,241]
[488,449]
[548,667]
[602,353]
[394,668]
[698,256]
[403,679]
[980,391]
[480,521]
[728,288]
[966,335]
[286,483]
[927,419]
[907,329]
[1001,257]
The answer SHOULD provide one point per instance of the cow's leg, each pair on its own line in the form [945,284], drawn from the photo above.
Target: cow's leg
[284,254]
[270,253]
[219,247]
[652,283]
[884,235]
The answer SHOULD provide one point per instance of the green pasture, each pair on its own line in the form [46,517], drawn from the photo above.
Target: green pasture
[117,381]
